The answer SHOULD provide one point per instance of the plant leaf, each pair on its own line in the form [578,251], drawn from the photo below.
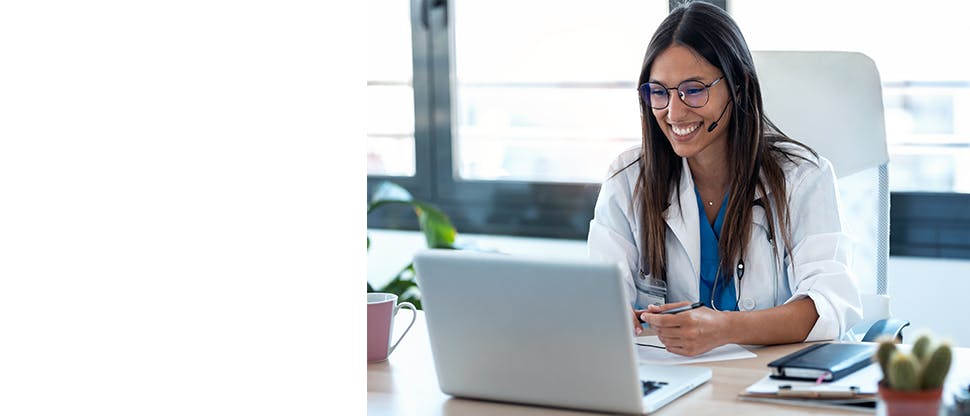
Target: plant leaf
[399,286]
[434,224]
[390,191]
[437,228]
[414,299]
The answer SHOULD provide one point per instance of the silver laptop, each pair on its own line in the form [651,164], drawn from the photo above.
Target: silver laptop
[548,332]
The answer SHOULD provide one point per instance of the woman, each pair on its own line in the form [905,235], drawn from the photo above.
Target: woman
[718,206]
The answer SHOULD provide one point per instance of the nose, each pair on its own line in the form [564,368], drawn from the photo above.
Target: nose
[676,109]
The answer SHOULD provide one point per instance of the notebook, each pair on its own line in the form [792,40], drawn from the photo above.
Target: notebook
[855,391]
[827,362]
[541,332]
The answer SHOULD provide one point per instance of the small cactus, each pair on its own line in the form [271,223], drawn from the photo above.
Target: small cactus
[936,365]
[924,368]
[921,346]
[904,372]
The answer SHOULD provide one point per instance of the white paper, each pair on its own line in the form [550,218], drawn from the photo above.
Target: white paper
[866,379]
[651,355]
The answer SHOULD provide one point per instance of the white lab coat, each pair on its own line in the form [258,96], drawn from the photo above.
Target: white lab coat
[818,267]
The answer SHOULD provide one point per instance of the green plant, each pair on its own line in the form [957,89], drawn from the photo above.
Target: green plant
[923,368]
[434,224]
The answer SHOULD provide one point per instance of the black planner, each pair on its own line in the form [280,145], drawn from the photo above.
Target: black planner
[828,361]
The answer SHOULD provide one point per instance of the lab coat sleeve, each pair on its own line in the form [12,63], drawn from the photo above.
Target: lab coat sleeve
[611,230]
[819,265]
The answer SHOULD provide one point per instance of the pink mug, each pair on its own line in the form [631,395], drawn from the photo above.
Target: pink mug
[381,309]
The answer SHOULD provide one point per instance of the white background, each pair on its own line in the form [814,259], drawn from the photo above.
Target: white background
[173,238]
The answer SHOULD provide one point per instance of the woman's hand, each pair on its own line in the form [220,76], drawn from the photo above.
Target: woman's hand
[637,324]
[689,333]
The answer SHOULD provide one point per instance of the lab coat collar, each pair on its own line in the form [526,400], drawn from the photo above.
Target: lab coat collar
[682,217]
[684,220]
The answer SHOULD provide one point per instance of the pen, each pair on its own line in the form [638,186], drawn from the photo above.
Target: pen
[684,308]
[680,309]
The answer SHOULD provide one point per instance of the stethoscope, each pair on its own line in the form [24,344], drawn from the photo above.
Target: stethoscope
[739,272]
[739,269]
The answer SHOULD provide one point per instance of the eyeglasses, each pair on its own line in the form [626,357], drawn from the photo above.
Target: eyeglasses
[693,93]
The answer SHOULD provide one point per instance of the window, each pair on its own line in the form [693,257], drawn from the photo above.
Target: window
[390,94]
[550,105]
[520,124]
[506,114]
[926,86]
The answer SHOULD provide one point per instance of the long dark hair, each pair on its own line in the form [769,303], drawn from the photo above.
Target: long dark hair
[754,157]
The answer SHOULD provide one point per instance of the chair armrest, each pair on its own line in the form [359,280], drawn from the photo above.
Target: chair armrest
[890,327]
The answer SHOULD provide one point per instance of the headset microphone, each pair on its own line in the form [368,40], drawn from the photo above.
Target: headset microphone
[714,124]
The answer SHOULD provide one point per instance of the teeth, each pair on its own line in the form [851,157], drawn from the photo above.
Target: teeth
[684,132]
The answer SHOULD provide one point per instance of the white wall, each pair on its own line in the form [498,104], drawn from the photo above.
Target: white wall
[930,293]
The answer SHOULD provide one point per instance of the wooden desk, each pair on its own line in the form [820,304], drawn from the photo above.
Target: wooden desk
[406,384]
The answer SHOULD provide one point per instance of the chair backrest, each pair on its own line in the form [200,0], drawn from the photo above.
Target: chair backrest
[832,101]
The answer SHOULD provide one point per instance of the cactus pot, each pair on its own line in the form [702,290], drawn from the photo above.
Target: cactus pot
[906,403]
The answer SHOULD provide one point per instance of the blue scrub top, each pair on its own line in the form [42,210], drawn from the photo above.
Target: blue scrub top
[726,299]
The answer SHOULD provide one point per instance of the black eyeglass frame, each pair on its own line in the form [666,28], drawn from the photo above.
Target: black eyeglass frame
[680,94]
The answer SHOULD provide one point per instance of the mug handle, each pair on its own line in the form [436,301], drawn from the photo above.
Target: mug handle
[414,315]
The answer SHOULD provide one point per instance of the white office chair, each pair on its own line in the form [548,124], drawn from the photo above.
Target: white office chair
[832,101]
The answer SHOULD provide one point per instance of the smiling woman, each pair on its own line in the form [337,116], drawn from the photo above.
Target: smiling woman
[716,192]
[698,105]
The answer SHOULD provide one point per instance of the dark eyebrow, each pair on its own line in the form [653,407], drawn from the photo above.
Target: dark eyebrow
[693,78]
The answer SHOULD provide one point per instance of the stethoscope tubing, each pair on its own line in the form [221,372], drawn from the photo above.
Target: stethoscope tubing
[740,268]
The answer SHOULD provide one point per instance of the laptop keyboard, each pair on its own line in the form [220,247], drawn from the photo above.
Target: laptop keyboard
[651,386]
